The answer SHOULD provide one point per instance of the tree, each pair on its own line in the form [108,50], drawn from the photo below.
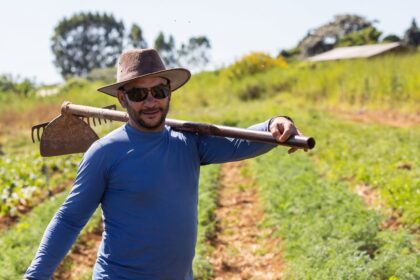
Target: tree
[366,36]
[16,85]
[412,35]
[391,38]
[136,37]
[86,41]
[328,35]
[195,54]
[166,49]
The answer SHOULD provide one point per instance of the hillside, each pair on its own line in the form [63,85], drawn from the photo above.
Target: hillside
[347,209]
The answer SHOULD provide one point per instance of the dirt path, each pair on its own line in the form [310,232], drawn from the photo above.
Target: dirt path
[242,249]
[387,117]
[79,263]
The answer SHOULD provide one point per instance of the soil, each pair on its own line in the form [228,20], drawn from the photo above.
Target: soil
[13,122]
[82,257]
[387,117]
[373,200]
[243,250]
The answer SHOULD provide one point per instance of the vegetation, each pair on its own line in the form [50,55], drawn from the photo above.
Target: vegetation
[327,36]
[412,35]
[19,244]
[327,231]
[347,30]
[136,37]
[367,36]
[27,179]
[206,220]
[86,41]
[10,85]
[309,199]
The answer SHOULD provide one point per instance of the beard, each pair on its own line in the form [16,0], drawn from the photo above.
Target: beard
[137,117]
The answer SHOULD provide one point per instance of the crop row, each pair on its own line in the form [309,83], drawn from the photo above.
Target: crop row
[327,231]
[384,158]
[27,179]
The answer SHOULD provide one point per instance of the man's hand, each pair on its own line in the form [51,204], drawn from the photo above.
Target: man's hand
[282,128]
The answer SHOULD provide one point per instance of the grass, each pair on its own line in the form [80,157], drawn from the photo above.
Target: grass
[19,244]
[206,220]
[385,82]
[375,155]
[327,231]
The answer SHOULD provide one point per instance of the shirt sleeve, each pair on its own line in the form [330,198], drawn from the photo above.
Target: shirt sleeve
[72,216]
[215,149]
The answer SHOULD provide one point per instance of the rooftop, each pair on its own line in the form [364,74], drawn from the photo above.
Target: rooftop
[354,52]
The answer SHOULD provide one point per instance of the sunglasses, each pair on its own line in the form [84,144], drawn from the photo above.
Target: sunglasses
[137,94]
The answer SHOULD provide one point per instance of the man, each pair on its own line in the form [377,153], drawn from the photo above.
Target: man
[145,177]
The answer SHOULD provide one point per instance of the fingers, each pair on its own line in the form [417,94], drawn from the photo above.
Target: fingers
[283,129]
[275,131]
[288,131]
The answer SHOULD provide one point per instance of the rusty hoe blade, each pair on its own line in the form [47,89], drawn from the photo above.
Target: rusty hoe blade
[66,134]
[71,132]
[38,128]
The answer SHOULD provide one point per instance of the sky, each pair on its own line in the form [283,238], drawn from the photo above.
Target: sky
[234,28]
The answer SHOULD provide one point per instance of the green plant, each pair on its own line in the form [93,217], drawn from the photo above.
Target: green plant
[253,63]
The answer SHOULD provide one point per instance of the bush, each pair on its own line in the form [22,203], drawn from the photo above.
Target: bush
[9,84]
[254,63]
[73,84]
[106,75]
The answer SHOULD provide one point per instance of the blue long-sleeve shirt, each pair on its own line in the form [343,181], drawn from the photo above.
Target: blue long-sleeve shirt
[147,186]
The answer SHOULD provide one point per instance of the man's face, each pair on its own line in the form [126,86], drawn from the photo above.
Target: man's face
[149,114]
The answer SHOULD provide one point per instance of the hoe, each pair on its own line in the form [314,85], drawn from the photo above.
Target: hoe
[71,132]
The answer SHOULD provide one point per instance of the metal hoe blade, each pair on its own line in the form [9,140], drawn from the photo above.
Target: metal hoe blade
[66,134]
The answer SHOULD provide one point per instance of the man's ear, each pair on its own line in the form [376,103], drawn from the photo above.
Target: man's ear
[122,98]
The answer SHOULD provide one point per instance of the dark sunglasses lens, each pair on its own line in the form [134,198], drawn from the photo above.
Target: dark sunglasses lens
[137,94]
[160,91]
[140,94]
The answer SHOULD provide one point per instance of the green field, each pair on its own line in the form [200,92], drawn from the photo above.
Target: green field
[310,200]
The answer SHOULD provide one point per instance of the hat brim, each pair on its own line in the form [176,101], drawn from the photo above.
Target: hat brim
[177,77]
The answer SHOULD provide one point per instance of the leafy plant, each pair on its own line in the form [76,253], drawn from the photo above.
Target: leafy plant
[253,63]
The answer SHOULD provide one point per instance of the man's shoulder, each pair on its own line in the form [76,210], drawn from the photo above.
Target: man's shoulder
[110,141]
[184,136]
[114,137]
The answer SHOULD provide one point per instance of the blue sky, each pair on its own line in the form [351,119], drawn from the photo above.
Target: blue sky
[234,28]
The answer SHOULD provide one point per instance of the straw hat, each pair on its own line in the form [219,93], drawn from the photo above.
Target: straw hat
[140,63]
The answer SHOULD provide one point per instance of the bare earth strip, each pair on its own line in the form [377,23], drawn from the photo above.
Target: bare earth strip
[82,257]
[372,199]
[242,249]
[391,118]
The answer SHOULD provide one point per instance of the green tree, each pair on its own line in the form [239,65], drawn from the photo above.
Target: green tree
[412,35]
[327,36]
[9,84]
[391,38]
[166,49]
[86,41]
[195,54]
[136,38]
[366,36]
